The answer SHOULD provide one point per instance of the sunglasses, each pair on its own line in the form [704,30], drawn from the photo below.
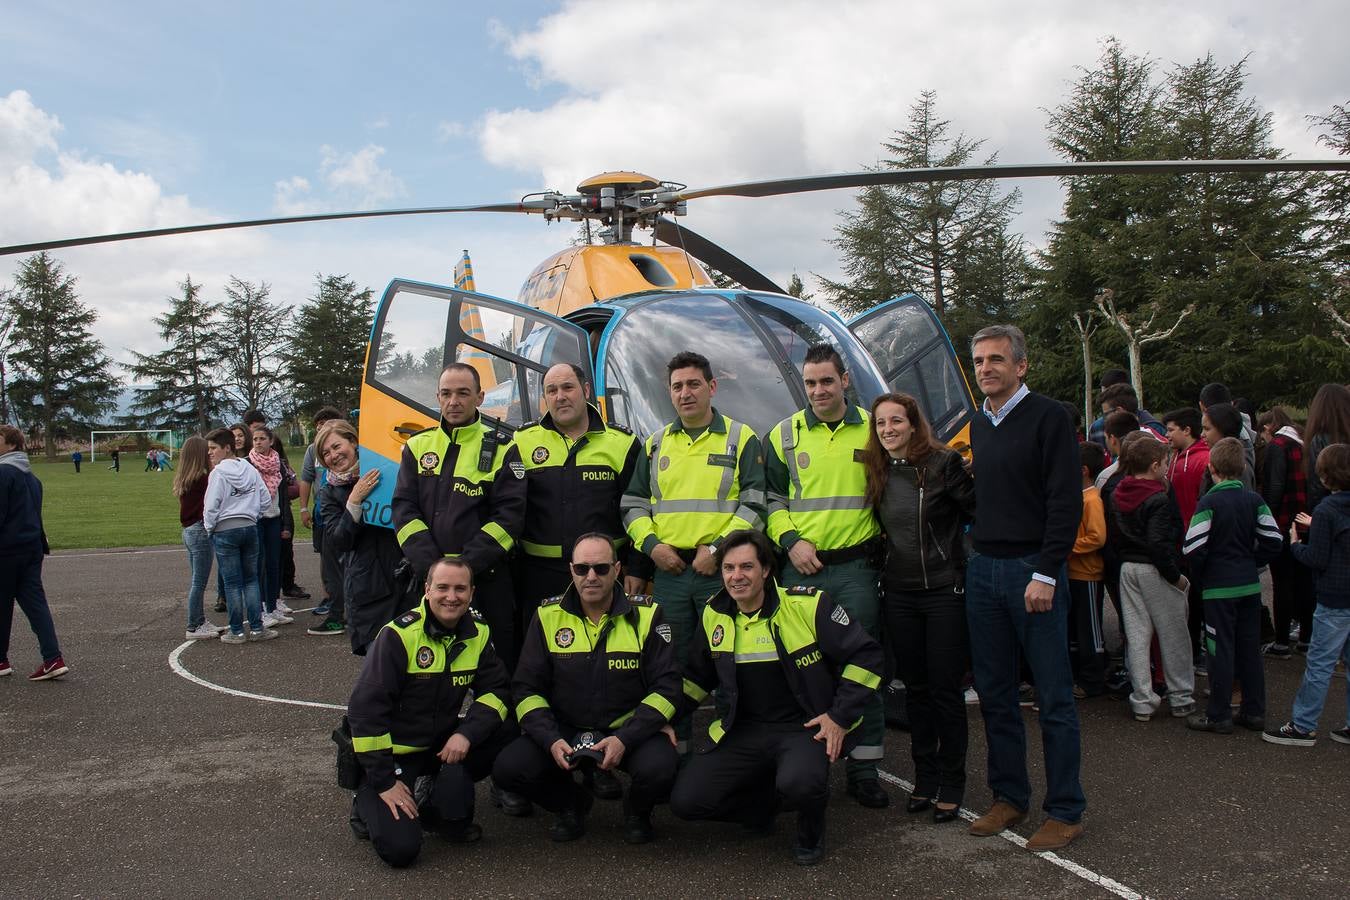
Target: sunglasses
[581,570]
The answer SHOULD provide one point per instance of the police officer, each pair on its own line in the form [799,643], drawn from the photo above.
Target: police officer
[576,468]
[461,493]
[819,514]
[597,672]
[700,478]
[793,672]
[405,724]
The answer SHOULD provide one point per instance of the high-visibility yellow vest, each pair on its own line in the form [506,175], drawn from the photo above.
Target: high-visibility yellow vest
[824,498]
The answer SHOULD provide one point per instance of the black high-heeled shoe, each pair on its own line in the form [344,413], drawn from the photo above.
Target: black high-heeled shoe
[941,815]
[918,804]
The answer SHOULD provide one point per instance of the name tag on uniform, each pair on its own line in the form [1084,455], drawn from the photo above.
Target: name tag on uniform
[722,459]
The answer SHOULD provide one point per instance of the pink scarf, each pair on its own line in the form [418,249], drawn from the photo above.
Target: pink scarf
[269,467]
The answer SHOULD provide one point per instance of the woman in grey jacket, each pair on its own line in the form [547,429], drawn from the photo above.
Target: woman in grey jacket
[924,497]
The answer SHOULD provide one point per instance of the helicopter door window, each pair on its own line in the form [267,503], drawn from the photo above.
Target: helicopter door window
[410,347]
[943,386]
[894,339]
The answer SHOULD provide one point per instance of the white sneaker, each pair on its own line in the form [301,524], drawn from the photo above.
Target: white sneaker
[265,635]
[972,698]
[230,637]
[203,632]
[283,608]
[271,619]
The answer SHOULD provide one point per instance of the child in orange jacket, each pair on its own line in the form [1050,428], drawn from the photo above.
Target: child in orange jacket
[1085,581]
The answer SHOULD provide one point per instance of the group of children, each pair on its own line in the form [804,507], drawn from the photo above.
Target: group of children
[1164,523]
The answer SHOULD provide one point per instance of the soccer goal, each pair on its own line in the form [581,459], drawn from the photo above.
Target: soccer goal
[151,432]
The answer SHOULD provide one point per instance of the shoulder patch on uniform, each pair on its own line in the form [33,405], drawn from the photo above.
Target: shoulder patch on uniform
[839,615]
[802,590]
[551,601]
[640,599]
[408,618]
[663,632]
[624,429]
[517,469]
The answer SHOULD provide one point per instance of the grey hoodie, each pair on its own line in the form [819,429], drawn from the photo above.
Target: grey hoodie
[18,459]
[235,496]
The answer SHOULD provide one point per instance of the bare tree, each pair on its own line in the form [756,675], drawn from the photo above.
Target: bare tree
[1136,336]
[1087,325]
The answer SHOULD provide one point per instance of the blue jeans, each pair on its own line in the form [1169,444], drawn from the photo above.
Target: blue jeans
[269,561]
[1330,639]
[237,556]
[21,582]
[199,549]
[1002,634]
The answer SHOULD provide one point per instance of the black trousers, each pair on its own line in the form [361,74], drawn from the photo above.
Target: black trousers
[1086,638]
[526,768]
[1292,584]
[330,571]
[535,579]
[1233,641]
[929,636]
[495,600]
[754,766]
[450,803]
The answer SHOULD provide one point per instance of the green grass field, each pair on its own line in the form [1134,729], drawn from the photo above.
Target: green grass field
[99,508]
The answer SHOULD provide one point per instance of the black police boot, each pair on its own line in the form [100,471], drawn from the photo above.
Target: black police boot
[571,822]
[868,792]
[604,785]
[637,828]
[810,846]
[357,824]
[460,831]
[510,803]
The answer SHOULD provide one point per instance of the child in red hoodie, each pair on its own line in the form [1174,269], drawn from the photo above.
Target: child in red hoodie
[1152,588]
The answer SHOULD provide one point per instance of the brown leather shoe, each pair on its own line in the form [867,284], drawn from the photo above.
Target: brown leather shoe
[1000,816]
[1054,835]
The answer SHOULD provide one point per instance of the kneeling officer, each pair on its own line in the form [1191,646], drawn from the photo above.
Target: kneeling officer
[596,684]
[794,673]
[405,724]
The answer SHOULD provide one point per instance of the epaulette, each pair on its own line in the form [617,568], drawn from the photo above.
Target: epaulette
[435,427]
[621,428]
[533,423]
[641,599]
[408,618]
[551,601]
[802,590]
[477,616]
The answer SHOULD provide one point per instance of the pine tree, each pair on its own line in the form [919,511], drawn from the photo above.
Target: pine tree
[62,377]
[1332,208]
[912,238]
[182,389]
[326,352]
[249,339]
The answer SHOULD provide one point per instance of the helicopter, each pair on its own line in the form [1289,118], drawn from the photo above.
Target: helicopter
[619,309]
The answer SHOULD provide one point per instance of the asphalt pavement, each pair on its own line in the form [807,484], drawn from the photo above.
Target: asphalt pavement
[128,777]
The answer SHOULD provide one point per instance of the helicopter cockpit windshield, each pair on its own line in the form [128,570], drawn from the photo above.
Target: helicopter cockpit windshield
[755,343]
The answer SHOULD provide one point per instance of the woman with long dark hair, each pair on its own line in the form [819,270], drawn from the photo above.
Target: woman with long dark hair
[268,463]
[369,554]
[1328,423]
[923,498]
[189,485]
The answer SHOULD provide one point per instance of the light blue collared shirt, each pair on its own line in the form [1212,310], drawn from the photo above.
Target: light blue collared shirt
[995,418]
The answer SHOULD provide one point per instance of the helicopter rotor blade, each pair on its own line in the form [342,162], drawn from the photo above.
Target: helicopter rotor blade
[523,206]
[714,255]
[779,186]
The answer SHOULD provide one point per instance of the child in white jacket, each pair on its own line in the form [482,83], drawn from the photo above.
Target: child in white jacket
[235,498]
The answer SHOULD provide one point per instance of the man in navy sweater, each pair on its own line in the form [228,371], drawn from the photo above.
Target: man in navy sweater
[1028,502]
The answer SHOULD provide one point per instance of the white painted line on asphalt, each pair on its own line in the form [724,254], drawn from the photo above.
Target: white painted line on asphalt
[176,663]
[59,555]
[1013,837]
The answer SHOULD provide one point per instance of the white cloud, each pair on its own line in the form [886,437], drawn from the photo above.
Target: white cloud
[25,130]
[449,131]
[350,180]
[721,93]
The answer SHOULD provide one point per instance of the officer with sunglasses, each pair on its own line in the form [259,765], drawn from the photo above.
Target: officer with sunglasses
[596,685]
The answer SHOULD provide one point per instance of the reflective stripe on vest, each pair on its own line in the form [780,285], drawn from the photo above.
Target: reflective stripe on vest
[695,491]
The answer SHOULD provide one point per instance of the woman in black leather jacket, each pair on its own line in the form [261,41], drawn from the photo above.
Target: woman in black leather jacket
[924,497]
[369,554]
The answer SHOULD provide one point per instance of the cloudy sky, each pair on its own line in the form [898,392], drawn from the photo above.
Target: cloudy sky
[183,112]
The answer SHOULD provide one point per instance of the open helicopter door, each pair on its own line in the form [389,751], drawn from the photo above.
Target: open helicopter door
[421,328]
[915,355]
